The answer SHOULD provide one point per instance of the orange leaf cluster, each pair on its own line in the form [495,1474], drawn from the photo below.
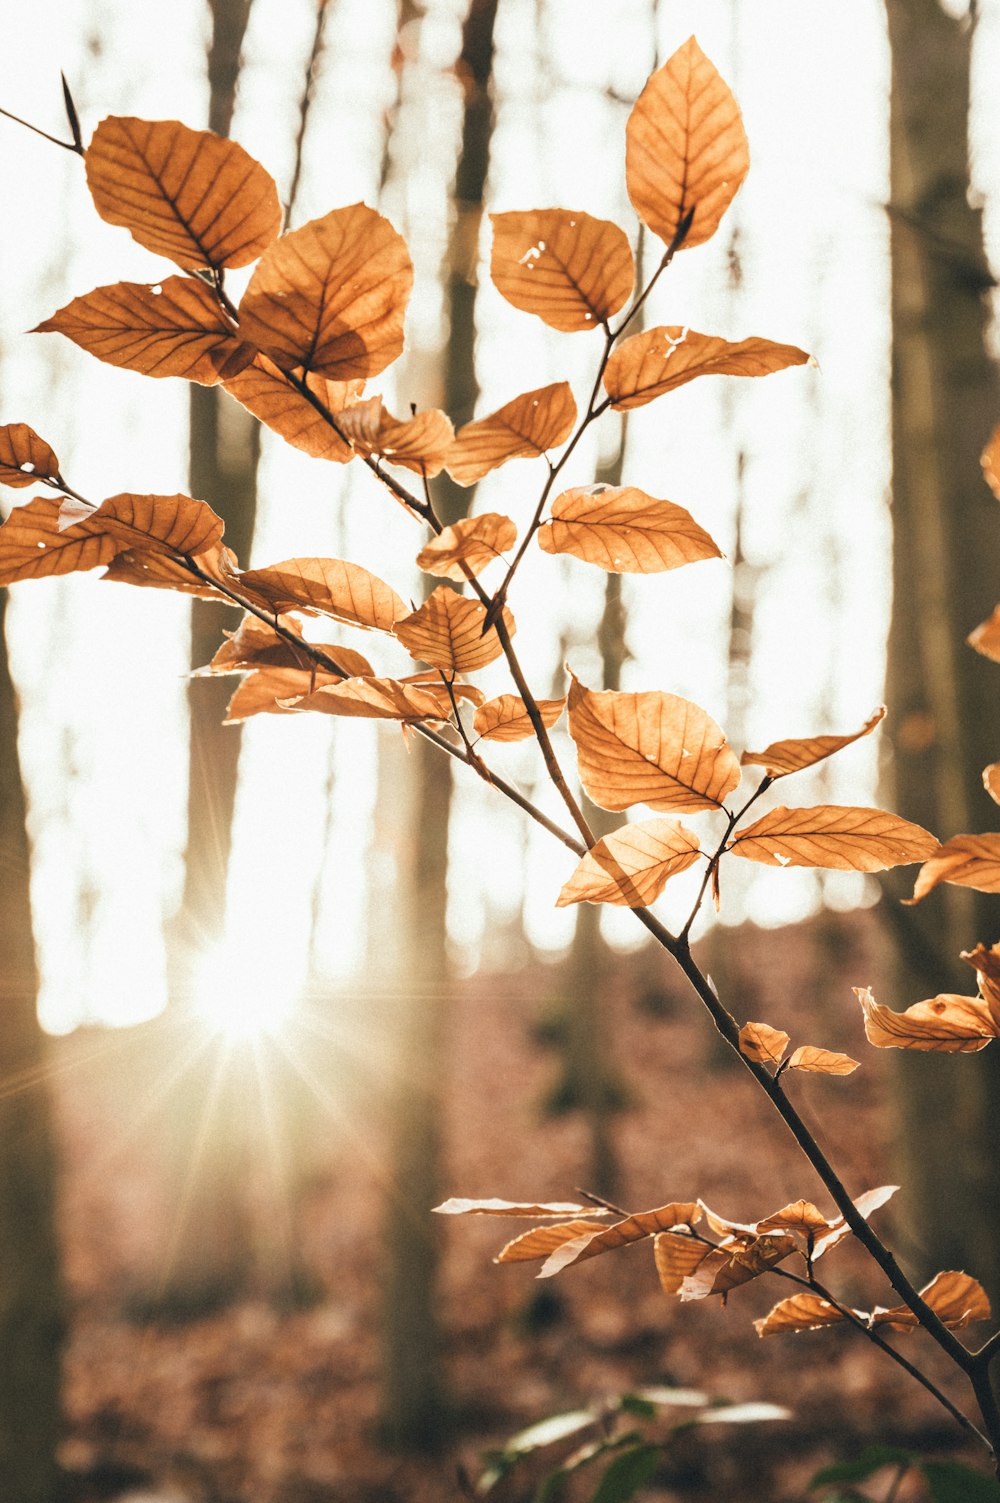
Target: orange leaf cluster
[766,1046]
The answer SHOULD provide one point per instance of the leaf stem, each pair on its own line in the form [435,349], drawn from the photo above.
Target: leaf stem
[73,146]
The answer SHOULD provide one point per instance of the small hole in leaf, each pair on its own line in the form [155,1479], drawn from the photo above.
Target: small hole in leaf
[27,467]
[156,291]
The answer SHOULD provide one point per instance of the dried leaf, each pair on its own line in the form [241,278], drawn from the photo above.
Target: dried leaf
[619,1234]
[331,297]
[661,359]
[624,530]
[174,328]
[418,443]
[986,637]
[543,1240]
[685,147]
[523,429]
[835,836]
[256,644]
[802,1312]
[676,1255]
[801,1216]
[457,1206]
[260,691]
[569,269]
[821,1061]
[632,866]
[158,571]
[265,391]
[507,719]
[24,457]
[956,1298]
[431,678]
[987,965]
[965,861]
[472,541]
[762,1043]
[447,632]
[649,748]
[948,1024]
[783,757]
[867,1203]
[377,699]
[187,194]
[32,545]
[991,778]
[326,587]
[990,461]
[727,1267]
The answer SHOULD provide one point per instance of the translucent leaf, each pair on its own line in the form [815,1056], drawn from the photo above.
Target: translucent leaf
[523,429]
[685,147]
[783,757]
[762,1043]
[676,1255]
[624,530]
[987,965]
[991,777]
[800,1216]
[260,691]
[24,457]
[457,1206]
[867,1203]
[946,1024]
[331,297]
[256,644]
[632,866]
[174,328]
[569,269]
[726,1268]
[326,587]
[802,1312]
[418,443]
[447,632]
[986,637]
[377,699]
[965,861]
[158,571]
[659,360]
[472,541]
[507,719]
[835,836]
[956,1298]
[620,1234]
[264,390]
[649,748]
[32,545]
[190,195]
[543,1240]
[821,1061]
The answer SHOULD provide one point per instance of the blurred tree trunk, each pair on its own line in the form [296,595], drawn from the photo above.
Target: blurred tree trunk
[945,720]
[413,1404]
[31,1308]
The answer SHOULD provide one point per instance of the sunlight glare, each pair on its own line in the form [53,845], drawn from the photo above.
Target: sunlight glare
[240,999]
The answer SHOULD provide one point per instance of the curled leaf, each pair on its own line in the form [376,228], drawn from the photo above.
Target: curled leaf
[991,778]
[986,637]
[867,1203]
[783,757]
[507,718]
[255,644]
[948,1024]
[987,965]
[368,698]
[326,587]
[569,269]
[677,1254]
[620,1234]
[965,861]
[523,429]
[632,866]
[802,1312]
[158,571]
[648,365]
[801,1216]
[468,544]
[458,1206]
[821,1061]
[835,836]
[762,1043]
[624,530]
[956,1298]
[268,691]
[447,631]
[24,457]
[418,443]
[729,1266]
[543,1240]
[265,391]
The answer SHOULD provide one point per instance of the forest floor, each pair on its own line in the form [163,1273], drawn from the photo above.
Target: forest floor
[267,1401]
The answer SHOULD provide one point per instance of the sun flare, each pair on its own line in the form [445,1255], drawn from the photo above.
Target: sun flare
[239,1000]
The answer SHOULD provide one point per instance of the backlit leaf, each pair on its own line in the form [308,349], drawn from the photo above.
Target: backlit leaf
[523,429]
[256,644]
[991,463]
[378,699]
[801,1216]
[418,443]
[472,541]
[507,719]
[676,1255]
[685,147]
[991,778]
[965,861]
[783,757]
[331,297]
[178,525]
[571,270]
[987,964]
[948,1024]
[624,530]
[867,1203]
[158,571]
[543,1240]
[836,836]
[659,360]
[986,637]
[190,195]
[261,690]
[802,1312]
[326,587]
[956,1298]
[632,866]
[447,632]
[265,391]
[762,1043]
[728,1267]
[457,1206]
[649,748]
[620,1233]
[821,1061]
[174,328]
[32,545]
[24,457]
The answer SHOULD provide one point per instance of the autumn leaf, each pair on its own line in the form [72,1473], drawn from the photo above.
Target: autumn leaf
[447,632]
[543,1240]
[946,1024]
[987,965]
[729,1266]
[676,1255]
[835,836]
[685,147]
[331,297]
[507,718]
[418,443]
[472,542]
[990,461]
[956,1298]
[457,1206]
[965,861]
[174,328]
[367,698]
[620,1234]
[867,1204]
[784,757]
[801,1312]
[24,457]
[158,571]
[986,637]
[256,644]
[815,1061]
[649,748]
[265,391]
[762,1043]
[523,429]
[261,691]
[632,866]
[190,195]
[326,587]
[569,269]
[33,546]
[991,780]
[659,360]
[431,678]
[800,1216]
[624,530]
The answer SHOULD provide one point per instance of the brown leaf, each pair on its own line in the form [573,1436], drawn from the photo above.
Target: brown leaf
[447,632]
[867,1203]
[472,541]
[457,1206]
[624,530]
[569,269]
[650,748]
[187,194]
[523,429]
[956,1298]
[33,546]
[987,965]
[418,443]
[835,836]
[543,1240]
[432,679]
[685,147]
[783,757]
[260,691]
[661,359]
[378,699]
[256,644]
[965,861]
[802,1312]
[326,587]
[632,866]
[24,457]
[729,1266]
[619,1234]
[158,571]
[507,719]
[986,637]
[762,1043]
[676,1255]
[801,1216]
[331,297]
[265,391]
[991,780]
[990,461]
[821,1061]
[174,328]
[948,1024]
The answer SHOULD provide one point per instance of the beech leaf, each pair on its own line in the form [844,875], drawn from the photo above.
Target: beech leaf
[784,757]
[619,1234]
[326,587]
[469,544]
[457,1206]
[686,150]
[632,866]
[762,1043]
[648,365]
[986,637]
[418,443]
[32,545]
[543,1240]
[801,1216]
[624,530]
[946,1024]
[368,698]
[649,748]
[24,457]
[447,632]
[867,1203]
[677,1254]
[190,195]
[835,836]
[729,1266]
[956,1298]
[987,965]
[507,718]
[965,861]
[265,391]
[260,691]
[160,571]
[256,644]
[801,1312]
[821,1061]
[523,429]
[569,269]
[991,778]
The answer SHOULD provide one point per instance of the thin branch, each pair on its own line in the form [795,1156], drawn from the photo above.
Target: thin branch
[74,146]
